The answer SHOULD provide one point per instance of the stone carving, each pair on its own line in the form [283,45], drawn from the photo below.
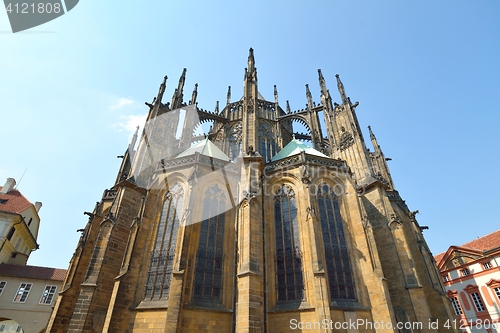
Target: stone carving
[305,173]
[346,140]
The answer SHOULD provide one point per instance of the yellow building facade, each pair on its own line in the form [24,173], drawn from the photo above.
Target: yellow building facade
[247,229]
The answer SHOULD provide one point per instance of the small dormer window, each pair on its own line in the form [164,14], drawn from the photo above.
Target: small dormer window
[487,265]
[2,201]
[446,278]
[465,272]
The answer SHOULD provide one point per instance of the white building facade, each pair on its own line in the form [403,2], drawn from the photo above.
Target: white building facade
[471,276]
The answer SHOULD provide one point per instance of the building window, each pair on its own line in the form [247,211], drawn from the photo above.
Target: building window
[48,295]
[2,286]
[208,270]
[465,272]
[2,328]
[19,329]
[497,292]
[290,281]
[446,278]
[22,293]
[487,265]
[162,257]
[456,306]
[340,277]
[478,303]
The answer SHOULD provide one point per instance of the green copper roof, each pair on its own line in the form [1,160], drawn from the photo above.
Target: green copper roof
[294,148]
[207,148]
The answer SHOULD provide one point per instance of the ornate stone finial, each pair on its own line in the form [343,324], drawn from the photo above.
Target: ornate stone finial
[228,95]
[216,107]
[251,60]
[293,136]
[275,95]
[288,110]
[340,86]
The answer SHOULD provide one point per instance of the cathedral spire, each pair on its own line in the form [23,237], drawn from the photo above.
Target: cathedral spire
[309,97]
[372,137]
[340,86]
[178,97]
[275,95]
[134,139]
[195,94]
[379,161]
[322,83]
[250,121]
[374,140]
[228,95]
[162,89]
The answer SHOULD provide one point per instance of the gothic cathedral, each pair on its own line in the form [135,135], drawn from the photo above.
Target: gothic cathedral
[248,229]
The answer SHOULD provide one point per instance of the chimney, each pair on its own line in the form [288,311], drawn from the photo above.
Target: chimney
[38,205]
[9,185]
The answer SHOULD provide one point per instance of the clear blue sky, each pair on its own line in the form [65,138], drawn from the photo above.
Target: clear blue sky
[426,74]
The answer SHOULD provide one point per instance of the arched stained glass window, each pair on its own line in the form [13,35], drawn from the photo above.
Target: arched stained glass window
[340,278]
[162,256]
[209,258]
[290,281]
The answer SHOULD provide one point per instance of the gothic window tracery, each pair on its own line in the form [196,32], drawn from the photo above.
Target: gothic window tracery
[340,277]
[267,143]
[289,276]
[209,257]
[163,253]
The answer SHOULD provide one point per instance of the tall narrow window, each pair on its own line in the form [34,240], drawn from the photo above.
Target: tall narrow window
[162,256]
[290,281]
[340,278]
[497,292]
[2,286]
[456,306]
[478,303]
[209,258]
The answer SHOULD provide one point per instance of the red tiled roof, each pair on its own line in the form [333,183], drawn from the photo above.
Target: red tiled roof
[16,202]
[32,272]
[439,257]
[485,243]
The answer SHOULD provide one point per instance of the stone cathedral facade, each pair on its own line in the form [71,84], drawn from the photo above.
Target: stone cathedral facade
[248,229]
